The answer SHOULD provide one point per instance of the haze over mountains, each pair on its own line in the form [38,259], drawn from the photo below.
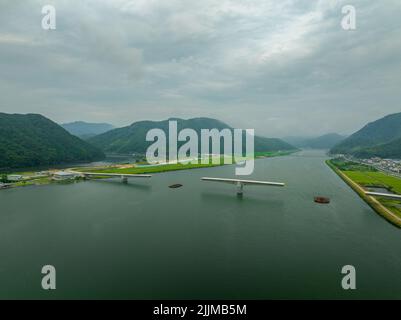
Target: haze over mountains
[33,140]
[381,138]
[132,138]
[86,130]
[326,141]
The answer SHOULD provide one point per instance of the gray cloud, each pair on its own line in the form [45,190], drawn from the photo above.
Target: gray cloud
[281,67]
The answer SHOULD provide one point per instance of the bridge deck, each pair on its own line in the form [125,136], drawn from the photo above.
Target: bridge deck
[386,195]
[245,182]
[124,175]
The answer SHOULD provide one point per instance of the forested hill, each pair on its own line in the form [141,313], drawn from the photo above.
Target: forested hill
[33,140]
[380,138]
[132,139]
[387,150]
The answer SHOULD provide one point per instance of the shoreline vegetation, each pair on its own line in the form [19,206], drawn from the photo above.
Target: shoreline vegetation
[361,177]
[145,168]
[32,178]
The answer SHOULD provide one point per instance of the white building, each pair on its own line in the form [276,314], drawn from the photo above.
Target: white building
[14,177]
[63,175]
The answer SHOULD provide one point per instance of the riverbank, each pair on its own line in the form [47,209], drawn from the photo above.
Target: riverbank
[30,179]
[273,154]
[159,168]
[383,210]
[147,169]
[46,177]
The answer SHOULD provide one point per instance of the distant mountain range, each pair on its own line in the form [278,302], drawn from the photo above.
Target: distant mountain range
[86,130]
[326,141]
[33,140]
[381,138]
[132,139]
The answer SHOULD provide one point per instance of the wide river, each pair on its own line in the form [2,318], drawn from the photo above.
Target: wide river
[144,240]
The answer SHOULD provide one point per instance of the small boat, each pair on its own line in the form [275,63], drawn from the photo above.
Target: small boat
[323,200]
[175,186]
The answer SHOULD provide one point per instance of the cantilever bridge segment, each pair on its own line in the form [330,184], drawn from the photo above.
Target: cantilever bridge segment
[384,195]
[124,177]
[241,183]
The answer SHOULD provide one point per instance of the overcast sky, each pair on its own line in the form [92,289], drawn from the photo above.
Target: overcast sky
[282,67]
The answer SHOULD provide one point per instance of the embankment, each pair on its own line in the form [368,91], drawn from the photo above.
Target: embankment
[371,201]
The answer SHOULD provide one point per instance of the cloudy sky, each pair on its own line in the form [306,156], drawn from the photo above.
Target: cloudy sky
[283,67]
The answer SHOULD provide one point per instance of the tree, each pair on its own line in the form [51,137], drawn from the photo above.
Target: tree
[4,178]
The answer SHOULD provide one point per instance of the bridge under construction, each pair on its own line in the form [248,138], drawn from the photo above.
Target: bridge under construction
[124,177]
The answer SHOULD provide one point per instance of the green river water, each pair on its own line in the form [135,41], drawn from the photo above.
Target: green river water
[144,240]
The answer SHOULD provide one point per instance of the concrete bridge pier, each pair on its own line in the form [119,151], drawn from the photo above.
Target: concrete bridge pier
[240,189]
[124,179]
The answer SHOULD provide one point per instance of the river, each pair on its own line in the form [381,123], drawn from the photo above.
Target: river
[144,240]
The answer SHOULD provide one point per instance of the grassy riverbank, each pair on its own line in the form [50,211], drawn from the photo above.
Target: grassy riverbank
[32,179]
[142,168]
[148,169]
[271,154]
[358,177]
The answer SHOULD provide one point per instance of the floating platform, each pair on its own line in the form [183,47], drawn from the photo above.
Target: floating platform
[323,200]
[175,186]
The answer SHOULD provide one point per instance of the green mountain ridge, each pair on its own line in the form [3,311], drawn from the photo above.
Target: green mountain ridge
[381,138]
[132,139]
[388,150]
[33,140]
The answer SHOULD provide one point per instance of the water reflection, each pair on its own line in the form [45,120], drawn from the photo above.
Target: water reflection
[130,184]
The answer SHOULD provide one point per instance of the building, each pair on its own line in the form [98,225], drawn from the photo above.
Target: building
[14,177]
[64,175]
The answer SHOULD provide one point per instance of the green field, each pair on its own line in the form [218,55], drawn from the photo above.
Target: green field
[375,179]
[152,169]
[175,166]
[270,154]
[351,166]
[366,176]
[393,205]
[33,182]
[149,169]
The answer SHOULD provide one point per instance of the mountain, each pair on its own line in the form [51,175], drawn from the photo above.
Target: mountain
[297,141]
[326,141]
[132,139]
[33,140]
[379,138]
[386,151]
[86,130]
